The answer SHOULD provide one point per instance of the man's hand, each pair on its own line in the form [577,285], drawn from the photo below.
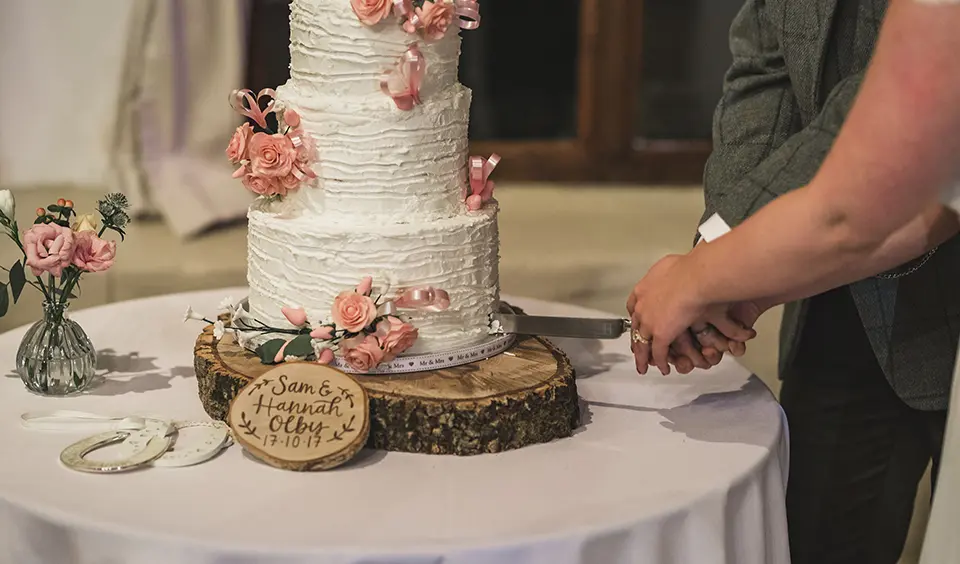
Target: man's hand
[663,306]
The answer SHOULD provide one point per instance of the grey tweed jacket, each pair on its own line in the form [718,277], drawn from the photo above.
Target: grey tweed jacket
[797,65]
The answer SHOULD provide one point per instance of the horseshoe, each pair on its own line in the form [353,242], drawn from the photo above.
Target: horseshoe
[73,456]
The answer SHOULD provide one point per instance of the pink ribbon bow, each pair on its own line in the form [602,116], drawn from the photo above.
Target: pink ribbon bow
[468,12]
[243,102]
[404,10]
[424,297]
[409,73]
[481,187]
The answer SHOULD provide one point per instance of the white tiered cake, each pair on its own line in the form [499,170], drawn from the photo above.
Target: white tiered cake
[392,174]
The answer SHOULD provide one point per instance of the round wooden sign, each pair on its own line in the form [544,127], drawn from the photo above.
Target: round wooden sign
[302,416]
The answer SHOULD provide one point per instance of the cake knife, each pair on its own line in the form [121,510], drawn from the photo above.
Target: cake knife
[571,327]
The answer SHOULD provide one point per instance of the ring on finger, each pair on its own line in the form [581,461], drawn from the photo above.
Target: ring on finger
[638,338]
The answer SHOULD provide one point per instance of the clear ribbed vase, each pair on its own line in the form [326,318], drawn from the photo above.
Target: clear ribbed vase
[56,358]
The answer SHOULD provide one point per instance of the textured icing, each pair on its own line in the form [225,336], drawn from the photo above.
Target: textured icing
[378,160]
[334,55]
[389,198]
[304,262]
[375,159]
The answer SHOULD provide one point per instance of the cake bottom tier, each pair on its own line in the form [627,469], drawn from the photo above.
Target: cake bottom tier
[305,262]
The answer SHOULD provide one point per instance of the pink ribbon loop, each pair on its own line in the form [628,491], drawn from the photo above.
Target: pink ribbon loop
[403,83]
[244,103]
[404,10]
[425,297]
[481,187]
[468,12]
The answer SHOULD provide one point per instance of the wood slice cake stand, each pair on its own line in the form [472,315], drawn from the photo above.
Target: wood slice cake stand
[525,396]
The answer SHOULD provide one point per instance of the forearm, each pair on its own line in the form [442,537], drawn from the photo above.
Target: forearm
[928,230]
[886,168]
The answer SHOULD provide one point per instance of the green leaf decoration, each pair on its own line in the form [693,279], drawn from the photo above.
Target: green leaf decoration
[4,300]
[54,208]
[17,280]
[40,219]
[268,351]
[300,346]
[118,230]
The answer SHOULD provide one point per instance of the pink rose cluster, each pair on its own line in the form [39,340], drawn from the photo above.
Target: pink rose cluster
[431,19]
[365,337]
[273,164]
[50,248]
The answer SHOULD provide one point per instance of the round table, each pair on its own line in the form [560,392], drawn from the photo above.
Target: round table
[664,470]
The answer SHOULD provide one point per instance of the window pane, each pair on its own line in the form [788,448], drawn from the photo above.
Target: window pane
[522,67]
[685,55]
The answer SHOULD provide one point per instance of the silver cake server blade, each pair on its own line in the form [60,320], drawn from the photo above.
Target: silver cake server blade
[571,327]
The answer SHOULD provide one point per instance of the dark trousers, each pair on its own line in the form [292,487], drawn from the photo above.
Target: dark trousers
[857,452]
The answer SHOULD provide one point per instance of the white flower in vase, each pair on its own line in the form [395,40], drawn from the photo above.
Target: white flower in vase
[8,206]
[218,330]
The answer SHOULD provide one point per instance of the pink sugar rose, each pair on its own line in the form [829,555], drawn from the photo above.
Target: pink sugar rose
[93,254]
[371,12]
[325,357]
[398,337]
[263,186]
[435,18]
[352,311]
[237,148]
[306,152]
[291,118]
[295,315]
[365,355]
[322,333]
[49,248]
[271,156]
[366,284]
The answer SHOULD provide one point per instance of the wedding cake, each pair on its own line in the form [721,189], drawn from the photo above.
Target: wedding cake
[373,224]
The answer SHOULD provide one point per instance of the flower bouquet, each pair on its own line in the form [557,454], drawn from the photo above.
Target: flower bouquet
[55,356]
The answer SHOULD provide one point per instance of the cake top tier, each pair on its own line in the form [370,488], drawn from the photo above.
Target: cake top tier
[333,54]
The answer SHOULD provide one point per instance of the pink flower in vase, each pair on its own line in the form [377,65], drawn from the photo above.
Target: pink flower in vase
[271,156]
[435,18]
[93,254]
[49,248]
[365,355]
[371,12]
[396,336]
[237,148]
[352,311]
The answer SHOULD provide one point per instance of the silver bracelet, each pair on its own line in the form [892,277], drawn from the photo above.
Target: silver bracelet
[911,270]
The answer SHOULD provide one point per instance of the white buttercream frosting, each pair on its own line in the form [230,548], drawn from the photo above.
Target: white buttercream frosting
[389,198]
[304,262]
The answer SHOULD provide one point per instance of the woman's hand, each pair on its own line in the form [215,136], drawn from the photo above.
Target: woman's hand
[665,303]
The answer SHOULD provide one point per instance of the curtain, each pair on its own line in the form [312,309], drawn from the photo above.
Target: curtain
[173,120]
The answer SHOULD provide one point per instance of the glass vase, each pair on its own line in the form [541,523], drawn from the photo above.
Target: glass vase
[56,358]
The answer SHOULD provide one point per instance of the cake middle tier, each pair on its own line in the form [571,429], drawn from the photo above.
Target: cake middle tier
[383,163]
[305,261]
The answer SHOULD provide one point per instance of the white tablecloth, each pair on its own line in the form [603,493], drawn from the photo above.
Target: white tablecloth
[665,470]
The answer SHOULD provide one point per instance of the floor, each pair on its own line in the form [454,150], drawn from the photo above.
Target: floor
[585,245]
